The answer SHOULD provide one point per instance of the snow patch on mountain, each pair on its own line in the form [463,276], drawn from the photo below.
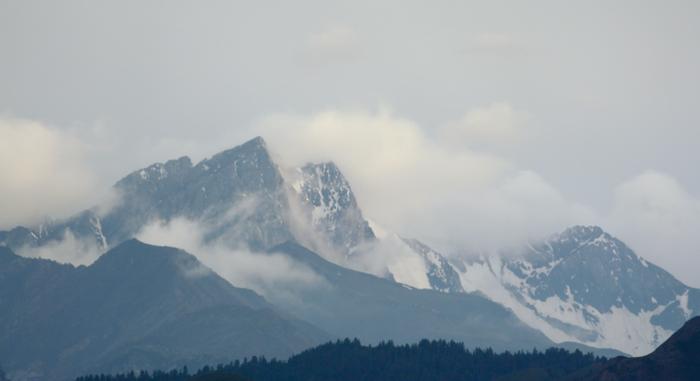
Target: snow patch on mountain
[563,320]
[96,224]
[441,274]
[330,205]
[407,266]
[683,303]
[583,285]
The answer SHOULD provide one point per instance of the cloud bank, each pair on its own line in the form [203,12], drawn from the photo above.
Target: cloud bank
[446,188]
[67,250]
[421,186]
[43,173]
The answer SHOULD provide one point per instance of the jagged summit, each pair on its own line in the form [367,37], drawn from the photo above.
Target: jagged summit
[157,171]
[580,233]
[257,141]
[239,194]
[332,206]
[583,231]
[577,240]
[325,185]
[327,166]
[254,148]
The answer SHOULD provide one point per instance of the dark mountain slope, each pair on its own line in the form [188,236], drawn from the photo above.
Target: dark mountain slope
[356,304]
[138,306]
[677,359]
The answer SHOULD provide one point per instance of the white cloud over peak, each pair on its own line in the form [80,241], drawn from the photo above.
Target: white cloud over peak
[421,186]
[453,195]
[660,220]
[42,173]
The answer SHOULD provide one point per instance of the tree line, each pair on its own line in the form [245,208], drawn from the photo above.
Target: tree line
[349,360]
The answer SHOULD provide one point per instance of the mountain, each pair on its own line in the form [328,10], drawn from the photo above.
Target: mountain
[441,275]
[137,307]
[332,208]
[357,304]
[240,195]
[240,192]
[587,286]
[677,359]
[242,198]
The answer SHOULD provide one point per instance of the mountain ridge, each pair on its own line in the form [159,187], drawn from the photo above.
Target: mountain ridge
[242,198]
[138,306]
[585,285]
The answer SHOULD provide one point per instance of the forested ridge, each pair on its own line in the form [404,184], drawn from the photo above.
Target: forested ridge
[350,360]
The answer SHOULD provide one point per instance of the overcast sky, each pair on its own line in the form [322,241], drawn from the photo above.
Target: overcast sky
[468,124]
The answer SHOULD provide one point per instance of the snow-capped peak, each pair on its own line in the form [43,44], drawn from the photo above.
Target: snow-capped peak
[584,285]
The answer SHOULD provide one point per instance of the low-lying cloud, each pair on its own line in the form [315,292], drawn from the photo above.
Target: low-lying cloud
[69,249]
[271,275]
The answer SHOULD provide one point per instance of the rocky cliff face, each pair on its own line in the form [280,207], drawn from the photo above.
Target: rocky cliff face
[331,208]
[239,197]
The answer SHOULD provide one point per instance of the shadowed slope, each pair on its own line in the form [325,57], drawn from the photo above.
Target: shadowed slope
[138,307]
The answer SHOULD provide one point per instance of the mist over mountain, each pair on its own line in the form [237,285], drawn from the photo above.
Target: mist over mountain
[298,238]
[366,182]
